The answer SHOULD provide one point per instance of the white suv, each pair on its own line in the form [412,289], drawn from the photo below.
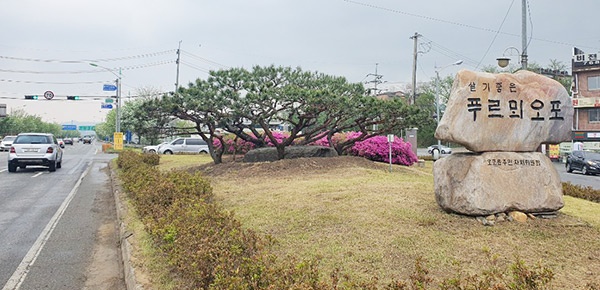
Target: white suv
[35,149]
[184,145]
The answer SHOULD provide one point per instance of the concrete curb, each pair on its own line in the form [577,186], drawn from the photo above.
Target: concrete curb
[124,234]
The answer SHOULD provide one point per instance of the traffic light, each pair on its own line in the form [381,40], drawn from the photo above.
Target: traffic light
[73,98]
[31,97]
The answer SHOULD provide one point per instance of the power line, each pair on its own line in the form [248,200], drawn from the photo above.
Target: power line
[462,24]
[195,67]
[205,59]
[496,34]
[52,83]
[153,54]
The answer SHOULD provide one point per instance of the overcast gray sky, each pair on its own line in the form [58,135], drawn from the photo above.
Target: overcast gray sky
[48,45]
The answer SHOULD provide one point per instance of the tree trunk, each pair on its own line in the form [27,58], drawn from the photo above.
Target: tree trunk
[280,152]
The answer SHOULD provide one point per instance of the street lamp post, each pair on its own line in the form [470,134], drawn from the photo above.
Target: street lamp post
[437,91]
[118,83]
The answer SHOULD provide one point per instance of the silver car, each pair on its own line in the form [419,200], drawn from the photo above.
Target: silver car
[40,149]
[184,145]
[6,143]
[153,148]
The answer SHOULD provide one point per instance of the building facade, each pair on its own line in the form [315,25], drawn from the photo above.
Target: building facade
[586,98]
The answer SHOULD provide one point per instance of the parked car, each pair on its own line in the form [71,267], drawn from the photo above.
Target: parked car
[443,149]
[153,148]
[40,149]
[68,141]
[6,143]
[586,162]
[184,145]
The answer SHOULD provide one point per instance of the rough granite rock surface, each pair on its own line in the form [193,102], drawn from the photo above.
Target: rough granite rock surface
[506,112]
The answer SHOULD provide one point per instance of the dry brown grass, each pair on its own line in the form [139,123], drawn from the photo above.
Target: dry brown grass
[357,216]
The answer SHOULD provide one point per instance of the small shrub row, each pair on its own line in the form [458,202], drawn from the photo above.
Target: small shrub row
[129,158]
[206,247]
[584,192]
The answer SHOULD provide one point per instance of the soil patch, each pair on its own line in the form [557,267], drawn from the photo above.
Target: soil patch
[285,167]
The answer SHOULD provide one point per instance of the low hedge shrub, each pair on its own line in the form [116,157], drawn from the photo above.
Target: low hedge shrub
[584,192]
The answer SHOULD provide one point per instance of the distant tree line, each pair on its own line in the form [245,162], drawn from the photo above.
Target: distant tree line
[18,121]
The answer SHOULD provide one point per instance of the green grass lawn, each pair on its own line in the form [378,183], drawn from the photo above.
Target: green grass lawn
[369,222]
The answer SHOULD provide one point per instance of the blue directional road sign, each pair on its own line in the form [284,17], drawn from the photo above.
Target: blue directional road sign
[109,88]
[69,127]
[106,106]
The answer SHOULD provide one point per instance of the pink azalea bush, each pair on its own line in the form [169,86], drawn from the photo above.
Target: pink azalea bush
[375,148]
[238,146]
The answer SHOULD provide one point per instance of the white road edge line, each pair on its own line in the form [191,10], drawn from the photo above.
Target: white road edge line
[22,270]
[2,170]
[37,174]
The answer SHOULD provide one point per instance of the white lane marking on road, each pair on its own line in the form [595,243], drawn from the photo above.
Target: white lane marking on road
[2,170]
[22,270]
[37,174]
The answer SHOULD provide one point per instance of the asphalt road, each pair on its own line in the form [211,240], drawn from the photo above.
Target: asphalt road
[51,223]
[576,177]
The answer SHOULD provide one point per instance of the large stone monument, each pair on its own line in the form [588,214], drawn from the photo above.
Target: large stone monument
[503,119]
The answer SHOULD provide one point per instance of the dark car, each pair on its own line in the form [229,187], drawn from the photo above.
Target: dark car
[586,162]
[87,140]
[68,141]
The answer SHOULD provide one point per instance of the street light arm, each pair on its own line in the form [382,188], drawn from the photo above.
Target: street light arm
[105,68]
[439,69]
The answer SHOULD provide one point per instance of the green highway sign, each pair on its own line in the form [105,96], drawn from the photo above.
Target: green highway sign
[87,128]
[108,100]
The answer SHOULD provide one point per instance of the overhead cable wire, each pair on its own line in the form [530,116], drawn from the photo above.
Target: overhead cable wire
[195,67]
[531,25]
[462,24]
[93,71]
[495,35]
[53,83]
[450,53]
[204,59]
[88,60]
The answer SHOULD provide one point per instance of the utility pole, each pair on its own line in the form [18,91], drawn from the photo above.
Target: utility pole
[177,62]
[414,76]
[524,34]
[376,80]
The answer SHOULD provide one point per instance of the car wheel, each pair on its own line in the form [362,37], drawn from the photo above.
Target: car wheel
[584,170]
[443,152]
[168,152]
[12,168]
[52,166]
[152,151]
[203,152]
[569,168]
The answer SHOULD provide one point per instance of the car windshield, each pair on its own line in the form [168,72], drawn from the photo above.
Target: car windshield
[32,139]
